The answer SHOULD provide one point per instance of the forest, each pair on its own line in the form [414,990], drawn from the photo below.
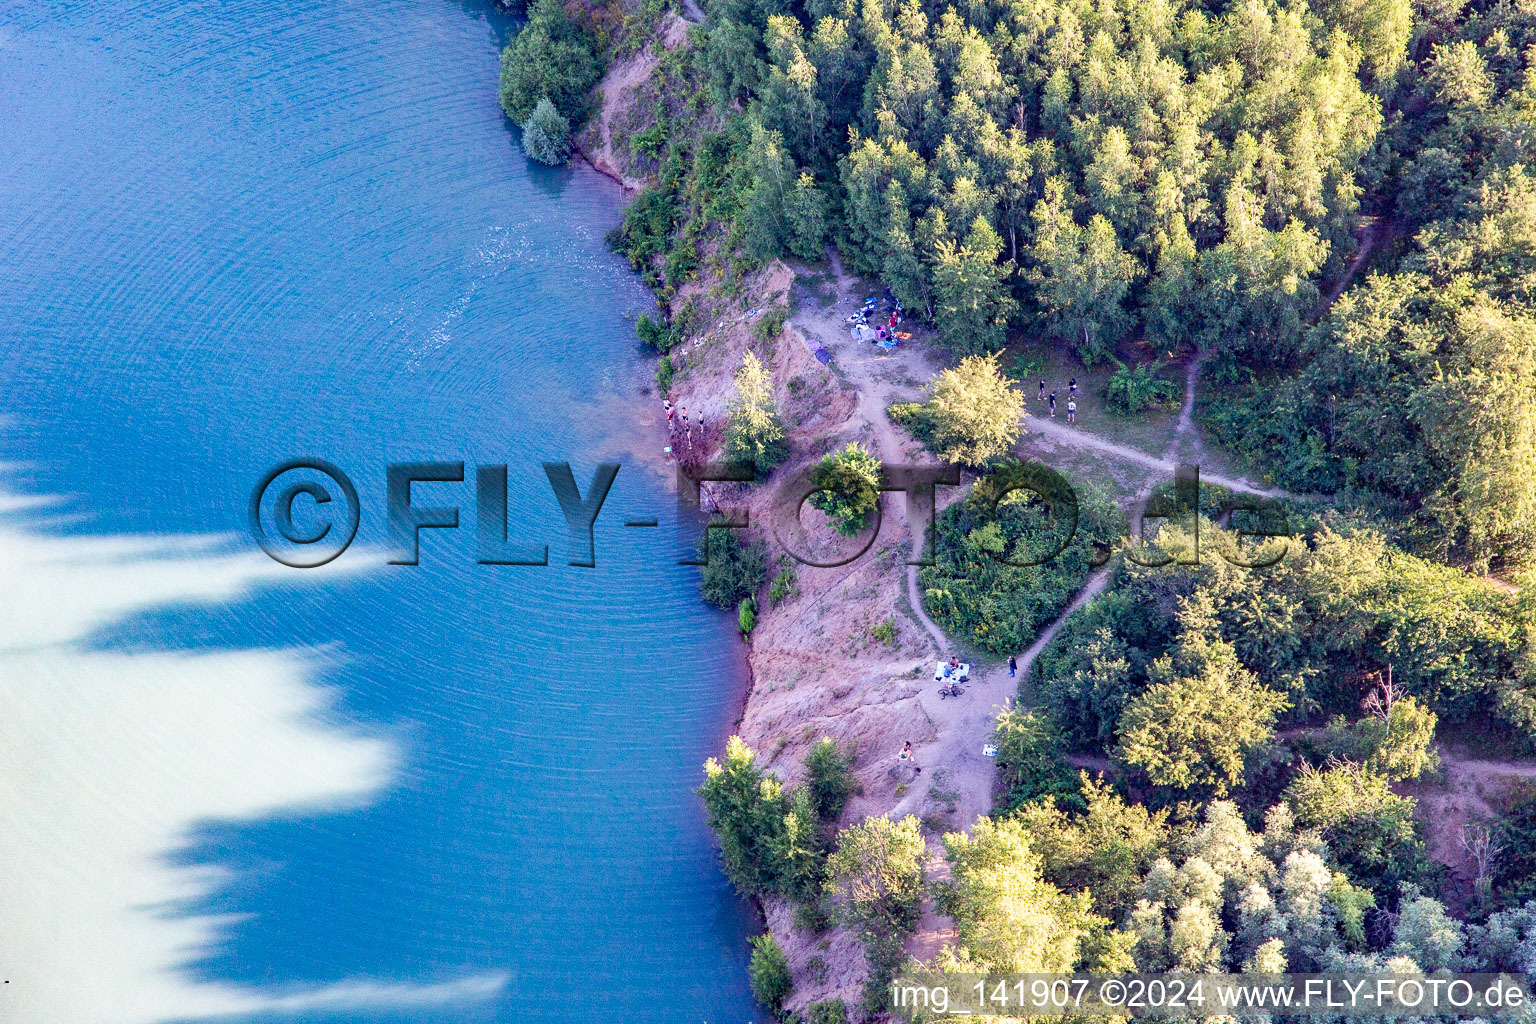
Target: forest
[1178,175]
[1329,204]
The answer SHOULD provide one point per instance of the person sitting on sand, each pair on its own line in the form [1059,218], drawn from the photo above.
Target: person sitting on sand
[906,755]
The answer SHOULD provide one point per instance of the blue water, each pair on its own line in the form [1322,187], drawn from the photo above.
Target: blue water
[235,234]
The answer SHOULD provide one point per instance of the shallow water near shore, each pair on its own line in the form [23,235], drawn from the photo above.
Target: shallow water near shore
[241,234]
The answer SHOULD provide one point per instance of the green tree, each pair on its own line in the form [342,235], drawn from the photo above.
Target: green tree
[805,219]
[829,778]
[1007,916]
[1203,714]
[1029,759]
[731,570]
[1080,275]
[754,432]
[1105,851]
[746,808]
[1397,743]
[1370,829]
[971,294]
[547,134]
[771,980]
[876,884]
[849,488]
[1427,935]
[769,177]
[554,57]
[975,411]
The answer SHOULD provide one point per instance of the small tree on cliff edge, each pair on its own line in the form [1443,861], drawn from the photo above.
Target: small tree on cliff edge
[755,432]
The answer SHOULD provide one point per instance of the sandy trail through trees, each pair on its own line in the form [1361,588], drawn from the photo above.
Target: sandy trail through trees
[957,778]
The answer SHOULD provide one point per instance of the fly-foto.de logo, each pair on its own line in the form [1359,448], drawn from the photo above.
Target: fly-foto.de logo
[306,512]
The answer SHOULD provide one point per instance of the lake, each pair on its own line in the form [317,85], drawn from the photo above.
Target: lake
[239,234]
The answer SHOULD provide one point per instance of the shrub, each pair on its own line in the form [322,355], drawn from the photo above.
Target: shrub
[849,482]
[746,616]
[771,980]
[547,134]
[656,332]
[771,323]
[812,916]
[1514,867]
[980,586]
[1029,760]
[885,632]
[785,585]
[731,570]
[1132,389]
[829,778]
[828,1011]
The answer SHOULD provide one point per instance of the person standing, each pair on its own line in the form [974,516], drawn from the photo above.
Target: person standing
[1053,405]
[687,427]
[1042,390]
[1072,388]
[700,417]
[666,404]
[1071,411]
[1013,667]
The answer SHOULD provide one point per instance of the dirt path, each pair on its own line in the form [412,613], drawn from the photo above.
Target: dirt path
[960,775]
[1373,231]
[868,372]
[1467,790]
[957,778]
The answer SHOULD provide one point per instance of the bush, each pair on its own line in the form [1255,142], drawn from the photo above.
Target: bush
[915,418]
[849,482]
[1029,760]
[746,615]
[771,980]
[771,323]
[785,585]
[547,134]
[1514,867]
[829,778]
[1132,390]
[731,570]
[828,1011]
[979,586]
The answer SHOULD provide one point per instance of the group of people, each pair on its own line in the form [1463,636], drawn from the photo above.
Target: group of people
[1071,399]
[906,755]
[682,413]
